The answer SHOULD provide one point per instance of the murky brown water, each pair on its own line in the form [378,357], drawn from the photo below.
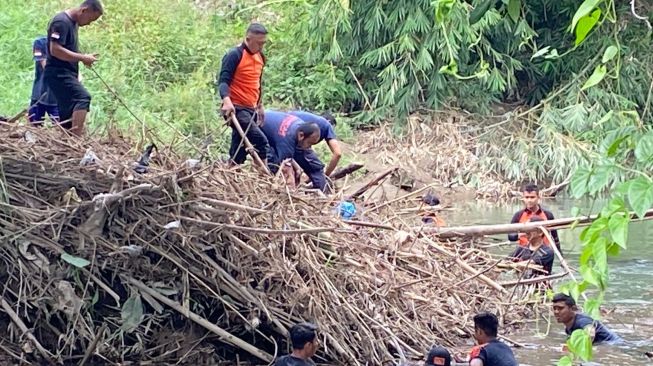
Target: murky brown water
[629,299]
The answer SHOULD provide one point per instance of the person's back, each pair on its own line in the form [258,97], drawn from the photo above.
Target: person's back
[290,360]
[327,131]
[494,353]
[279,128]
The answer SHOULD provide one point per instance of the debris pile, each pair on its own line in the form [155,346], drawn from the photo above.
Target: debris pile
[196,263]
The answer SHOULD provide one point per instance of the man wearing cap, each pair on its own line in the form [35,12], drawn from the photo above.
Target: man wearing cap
[438,356]
[305,344]
[240,87]
[42,101]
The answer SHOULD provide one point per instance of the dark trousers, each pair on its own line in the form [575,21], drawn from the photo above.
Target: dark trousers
[68,91]
[247,119]
[312,166]
[37,113]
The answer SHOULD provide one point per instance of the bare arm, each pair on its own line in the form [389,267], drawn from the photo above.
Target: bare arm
[64,54]
[43,63]
[336,154]
[476,362]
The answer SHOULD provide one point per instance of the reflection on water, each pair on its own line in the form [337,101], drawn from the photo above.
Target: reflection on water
[629,299]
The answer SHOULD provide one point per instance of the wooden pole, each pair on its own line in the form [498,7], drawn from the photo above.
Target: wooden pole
[249,147]
[346,170]
[481,230]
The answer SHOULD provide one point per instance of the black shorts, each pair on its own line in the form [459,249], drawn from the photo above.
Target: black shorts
[70,93]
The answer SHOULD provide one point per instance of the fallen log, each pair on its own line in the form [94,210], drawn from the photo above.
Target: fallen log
[345,171]
[481,230]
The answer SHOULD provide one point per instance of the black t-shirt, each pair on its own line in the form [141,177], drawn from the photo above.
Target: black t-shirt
[494,353]
[290,360]
[602,334]
[63,30]
[543,256]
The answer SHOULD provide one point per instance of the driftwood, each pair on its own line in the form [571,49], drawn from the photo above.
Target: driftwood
[182,254]
[345,171]
[372,183]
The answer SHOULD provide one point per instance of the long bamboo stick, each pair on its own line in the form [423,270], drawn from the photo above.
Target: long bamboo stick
[480,230]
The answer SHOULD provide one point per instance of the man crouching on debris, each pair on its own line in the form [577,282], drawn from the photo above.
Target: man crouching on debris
[304,345]
[290,137]
[536,249]
[327,124]
[61,74]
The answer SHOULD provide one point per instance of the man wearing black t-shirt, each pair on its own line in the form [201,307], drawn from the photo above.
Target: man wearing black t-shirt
[62,66]
[566,312]
[490,351]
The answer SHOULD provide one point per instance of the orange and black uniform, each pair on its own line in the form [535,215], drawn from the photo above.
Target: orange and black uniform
[240,78]
[523,216]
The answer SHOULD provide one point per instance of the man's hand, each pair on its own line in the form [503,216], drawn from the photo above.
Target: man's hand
[261,115]
[89,59]
[227,108]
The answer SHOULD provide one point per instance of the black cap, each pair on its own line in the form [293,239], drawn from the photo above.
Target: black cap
[430,199]
[438,356]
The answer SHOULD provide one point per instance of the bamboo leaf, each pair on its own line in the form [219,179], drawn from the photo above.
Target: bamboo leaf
[579,182]
[480,10]
[132,313]
[596,77]
[541,52]
[75,261]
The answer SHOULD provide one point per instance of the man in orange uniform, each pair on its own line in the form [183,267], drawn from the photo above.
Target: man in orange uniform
[531,198]
[240,87]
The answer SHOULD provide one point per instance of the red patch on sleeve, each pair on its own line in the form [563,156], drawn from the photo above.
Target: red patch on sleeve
[476,351]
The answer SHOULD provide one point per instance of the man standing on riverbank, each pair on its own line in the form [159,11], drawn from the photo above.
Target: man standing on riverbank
[490,351]
[327,124]
[61,73]
[531,199]
[304,346]
[566,312]
[240,88]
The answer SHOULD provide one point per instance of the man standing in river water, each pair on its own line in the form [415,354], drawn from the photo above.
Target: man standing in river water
[531,199]
[566,312]
[490,351]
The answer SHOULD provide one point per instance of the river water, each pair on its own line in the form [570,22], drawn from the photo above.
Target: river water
[629,298]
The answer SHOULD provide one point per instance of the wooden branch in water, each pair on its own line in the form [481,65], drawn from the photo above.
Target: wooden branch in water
[480,230]
[223,334]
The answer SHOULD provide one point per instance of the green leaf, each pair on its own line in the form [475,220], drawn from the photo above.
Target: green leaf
[599,178]
[580,344]
[609,53]
[644,149]
[552,55]
[541,52]
[614,147]
[75,261]
[442,9]
[585,25]
[640,195]
[586,254]
[514,8]
[583,10]
[592,308]
[132,313]
[599,253]
[618,225]
[596,77]
[593,232]
[613,250]
[451,69]
[579,182]
[565,361]
[614,205]
[575,211]
[480,10]
[589,276]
